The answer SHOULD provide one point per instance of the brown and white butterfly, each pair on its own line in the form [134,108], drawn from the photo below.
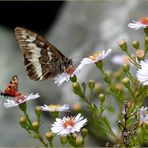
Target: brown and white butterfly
[42,60]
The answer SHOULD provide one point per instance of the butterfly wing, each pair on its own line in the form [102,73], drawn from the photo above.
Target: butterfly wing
[41,58]
[12,87]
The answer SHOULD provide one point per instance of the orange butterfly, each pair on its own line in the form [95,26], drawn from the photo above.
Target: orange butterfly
[12,88]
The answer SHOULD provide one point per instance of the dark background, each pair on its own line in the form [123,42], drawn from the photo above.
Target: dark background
[37,16]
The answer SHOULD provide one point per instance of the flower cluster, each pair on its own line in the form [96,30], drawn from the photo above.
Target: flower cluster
[127,92]
[98,56]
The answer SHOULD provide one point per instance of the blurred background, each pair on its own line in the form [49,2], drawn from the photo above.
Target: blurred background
[77,28]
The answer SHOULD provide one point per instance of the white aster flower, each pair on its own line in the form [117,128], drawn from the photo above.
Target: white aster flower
[142,73]
[65,76]
[61,78]
[96,57]
[121,59]
[68,125]
[53,108]
[143,115]
[19,100]
[142,23]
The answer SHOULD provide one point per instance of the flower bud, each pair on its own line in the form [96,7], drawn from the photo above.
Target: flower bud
[63,139]
[76,107]
[73,79]
[102,97]
[49,136]
[136,44]
[119,86]
[77,89]
[79,140]
[98,87]
[35,125]
[123,45]
[146,41]
[126,82]
[38,110]
[117,74]
[23,121]
[91,84]
[84,85]
[139,54]
[146,31]
[84,132]
[126,67]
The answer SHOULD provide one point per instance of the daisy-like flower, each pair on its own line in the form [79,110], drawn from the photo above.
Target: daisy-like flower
[65,76]
[53,108]
[96,57]
[19,100]
[143,115]
[142,73]
[142,23]
[68,125]
[121,59]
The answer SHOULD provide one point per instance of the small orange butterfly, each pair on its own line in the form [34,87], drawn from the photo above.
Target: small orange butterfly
[12,88]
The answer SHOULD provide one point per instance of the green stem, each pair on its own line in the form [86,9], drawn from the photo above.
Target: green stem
[41,139]
[51,144]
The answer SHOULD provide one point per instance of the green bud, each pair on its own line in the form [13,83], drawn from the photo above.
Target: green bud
[123,45]
[79,140]
[146,41]
[119,86]
[136,44]
[126,67]
[98,87]
[126,82]
[49,136]
[35,125]
[73,79]
[107,78]
[139,54]
[91,84]
[77,89]
[102,97]
[63,139]
[146,31]
[38,110]
[117,74]
[84,132]
[23,121]
[84,85]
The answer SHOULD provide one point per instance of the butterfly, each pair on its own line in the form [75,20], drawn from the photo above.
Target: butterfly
[12,88]
[42,60]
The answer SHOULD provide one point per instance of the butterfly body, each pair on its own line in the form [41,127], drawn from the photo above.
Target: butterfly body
[42,60]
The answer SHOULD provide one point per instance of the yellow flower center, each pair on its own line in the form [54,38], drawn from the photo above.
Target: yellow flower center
[53,106]
[95,55]
[68,122]
[144,20]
